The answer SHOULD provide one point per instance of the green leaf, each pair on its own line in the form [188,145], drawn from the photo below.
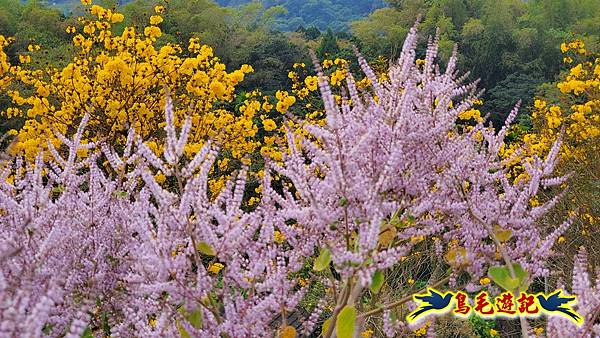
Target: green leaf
[343,201]
[501,276]
[346,322]
[195,318]
[325,327]
[58,189]
[501,234]
[333,226]
[377,281]
[121,194]
[323,260]
[205,249]
[522,276]
[504,235]
[395,220]
[182,331]
[87,333]
[47,329]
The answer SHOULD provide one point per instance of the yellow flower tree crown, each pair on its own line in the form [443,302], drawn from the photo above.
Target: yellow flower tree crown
[121,82]
[579,116]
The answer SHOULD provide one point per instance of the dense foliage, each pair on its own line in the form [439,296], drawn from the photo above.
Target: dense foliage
[322,14]
[511,45]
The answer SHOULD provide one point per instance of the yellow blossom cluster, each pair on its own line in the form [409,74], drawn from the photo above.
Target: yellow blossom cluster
[284,101]
[471,114]
[467,119]
[422,331]
[4,64]
[304,95]
[577,116]
[121,81]
[305,87]
[579,113]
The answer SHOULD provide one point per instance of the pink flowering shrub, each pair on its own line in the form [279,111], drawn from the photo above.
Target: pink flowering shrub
[62,233]
[588,303]
[82,246]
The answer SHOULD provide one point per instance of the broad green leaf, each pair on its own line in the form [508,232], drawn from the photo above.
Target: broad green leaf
[47,329]
[522,276]
[325,327]
[195,318]
[205,249]
[346,322]
[323,260]
[501,276]
[377,281]
[181,310]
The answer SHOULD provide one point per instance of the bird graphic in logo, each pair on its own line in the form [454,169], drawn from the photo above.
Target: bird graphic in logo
[555,303]
[432,302]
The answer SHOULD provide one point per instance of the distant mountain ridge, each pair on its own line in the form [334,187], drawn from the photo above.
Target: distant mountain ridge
[323,14]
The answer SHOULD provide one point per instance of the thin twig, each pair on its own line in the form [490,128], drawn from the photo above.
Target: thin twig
[588,326]
[403,300]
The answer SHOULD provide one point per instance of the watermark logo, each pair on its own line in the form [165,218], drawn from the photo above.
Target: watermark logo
[505,305]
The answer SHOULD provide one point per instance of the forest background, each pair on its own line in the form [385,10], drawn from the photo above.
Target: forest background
[512,46]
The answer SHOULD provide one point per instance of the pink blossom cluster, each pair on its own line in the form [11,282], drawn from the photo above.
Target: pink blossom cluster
[588,303]
[82,245]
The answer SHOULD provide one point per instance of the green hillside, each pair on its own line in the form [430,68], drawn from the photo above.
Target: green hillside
[323,14]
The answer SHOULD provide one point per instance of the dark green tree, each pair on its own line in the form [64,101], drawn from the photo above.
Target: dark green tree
[329,44]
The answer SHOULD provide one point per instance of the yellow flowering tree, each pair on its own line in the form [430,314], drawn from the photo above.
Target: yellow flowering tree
[4,64]
[578,111]
[121,81]
[577,115]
